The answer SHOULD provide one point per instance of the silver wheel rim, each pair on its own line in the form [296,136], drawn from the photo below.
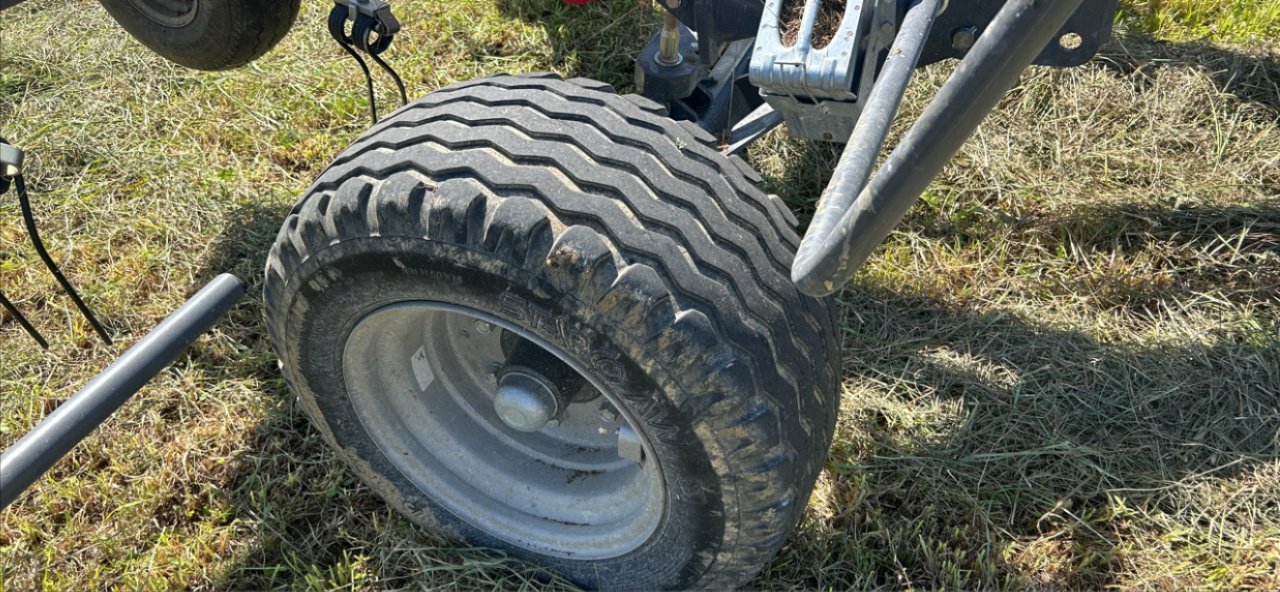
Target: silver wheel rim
[419,375]
[170,13]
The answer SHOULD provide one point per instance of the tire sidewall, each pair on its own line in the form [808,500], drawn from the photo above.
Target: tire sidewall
[223,33]
[337,287]
[212,17]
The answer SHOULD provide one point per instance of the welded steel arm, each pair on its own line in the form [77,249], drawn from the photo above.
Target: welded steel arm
[857,211]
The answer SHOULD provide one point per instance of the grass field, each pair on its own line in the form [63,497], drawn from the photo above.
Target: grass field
[1061,372]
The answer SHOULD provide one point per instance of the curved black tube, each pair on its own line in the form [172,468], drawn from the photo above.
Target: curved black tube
[855,166]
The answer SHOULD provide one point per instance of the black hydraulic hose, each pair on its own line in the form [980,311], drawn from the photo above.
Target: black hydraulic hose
[59,432]
[834,250]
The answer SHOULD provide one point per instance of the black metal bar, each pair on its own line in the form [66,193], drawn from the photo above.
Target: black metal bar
[59,432]
[4,4]
[848,232]
[752,127]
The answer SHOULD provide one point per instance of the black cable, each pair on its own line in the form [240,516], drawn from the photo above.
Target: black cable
[22,320]
[30,222]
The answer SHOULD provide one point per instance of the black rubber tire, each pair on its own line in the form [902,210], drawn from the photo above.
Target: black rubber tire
[215,35]
[603,220]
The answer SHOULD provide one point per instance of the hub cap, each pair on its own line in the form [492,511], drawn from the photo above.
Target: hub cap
[524,402]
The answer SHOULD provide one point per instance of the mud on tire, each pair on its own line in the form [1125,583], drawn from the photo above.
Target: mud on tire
[617,237]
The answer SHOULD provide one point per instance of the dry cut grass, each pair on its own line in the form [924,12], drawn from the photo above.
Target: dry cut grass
[1062,371]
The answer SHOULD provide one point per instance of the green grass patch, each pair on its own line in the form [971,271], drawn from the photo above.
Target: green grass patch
[1220,21]
[1062,371]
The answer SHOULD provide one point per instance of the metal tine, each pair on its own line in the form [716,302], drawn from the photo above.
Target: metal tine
[22,320]
[338,17]
[30,221]
[395,76]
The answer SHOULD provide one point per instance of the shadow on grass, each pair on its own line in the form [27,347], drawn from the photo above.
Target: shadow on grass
[806,174]
[985,450]
[1186,253]
[242,246]
[1252,77]
[979,431]
[1149,255]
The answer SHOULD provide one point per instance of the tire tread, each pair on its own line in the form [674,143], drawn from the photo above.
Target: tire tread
[709,255]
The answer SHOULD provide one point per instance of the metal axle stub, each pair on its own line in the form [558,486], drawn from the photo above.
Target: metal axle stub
[535,387]
[524,402]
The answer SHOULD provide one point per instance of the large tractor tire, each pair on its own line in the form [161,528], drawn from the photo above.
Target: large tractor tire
[545,318]
[206,34]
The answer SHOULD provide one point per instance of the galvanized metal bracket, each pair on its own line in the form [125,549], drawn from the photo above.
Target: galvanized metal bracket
[818,88]
[821,89]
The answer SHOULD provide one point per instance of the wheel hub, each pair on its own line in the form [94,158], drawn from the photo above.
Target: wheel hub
[504,430]
[535,386]
[524,402]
